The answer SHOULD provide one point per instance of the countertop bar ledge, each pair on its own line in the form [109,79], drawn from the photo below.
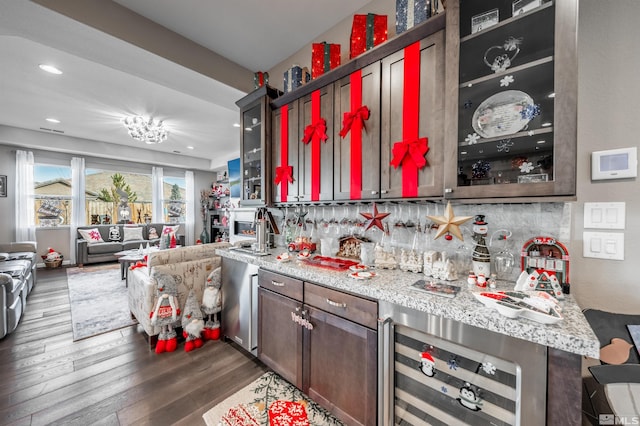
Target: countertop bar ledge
[573,334]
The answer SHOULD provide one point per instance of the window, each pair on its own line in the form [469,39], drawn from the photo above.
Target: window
[52,195]
[117,197]
[174,199]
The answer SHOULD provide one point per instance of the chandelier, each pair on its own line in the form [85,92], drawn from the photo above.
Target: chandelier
[146,130]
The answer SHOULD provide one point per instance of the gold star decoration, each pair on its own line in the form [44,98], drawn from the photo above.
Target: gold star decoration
[374,219]
[449,223]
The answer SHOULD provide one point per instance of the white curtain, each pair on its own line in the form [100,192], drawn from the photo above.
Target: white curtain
[78,204]
[157,198]
[190,208]
[25,215]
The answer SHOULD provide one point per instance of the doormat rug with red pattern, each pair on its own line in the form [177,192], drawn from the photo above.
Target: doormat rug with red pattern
[269,400]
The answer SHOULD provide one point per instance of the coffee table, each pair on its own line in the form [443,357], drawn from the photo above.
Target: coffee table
[126,261]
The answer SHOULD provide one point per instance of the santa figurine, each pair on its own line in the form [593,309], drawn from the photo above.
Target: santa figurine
[212,305]
[192,323]
[165,312]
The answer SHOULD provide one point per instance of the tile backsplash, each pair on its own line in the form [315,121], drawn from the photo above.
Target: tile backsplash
[520,221]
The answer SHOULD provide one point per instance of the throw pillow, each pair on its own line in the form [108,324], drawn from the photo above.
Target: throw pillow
[153,234]
[131,233]
[92,235]
[170,229]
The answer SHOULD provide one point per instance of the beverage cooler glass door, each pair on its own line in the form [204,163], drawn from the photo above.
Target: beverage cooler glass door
[436,371]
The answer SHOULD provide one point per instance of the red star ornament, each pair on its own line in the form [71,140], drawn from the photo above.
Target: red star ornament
[374,219]
[449,223]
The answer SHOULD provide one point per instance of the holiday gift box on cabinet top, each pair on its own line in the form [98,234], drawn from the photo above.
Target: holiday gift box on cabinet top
[367,31]
[295,77]
[324,57]
[410,13]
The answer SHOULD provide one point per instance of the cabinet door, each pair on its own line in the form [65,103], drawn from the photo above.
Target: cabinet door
[340,367]
[400,110]
[357,154]
[315,165]
[285,153]
[511,99]
[279,338]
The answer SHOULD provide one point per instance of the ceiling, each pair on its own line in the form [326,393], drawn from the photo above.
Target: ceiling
[106,78]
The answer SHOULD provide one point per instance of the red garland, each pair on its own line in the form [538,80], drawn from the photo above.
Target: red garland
[354,121]
[411,143]
[315,133]
[284,173]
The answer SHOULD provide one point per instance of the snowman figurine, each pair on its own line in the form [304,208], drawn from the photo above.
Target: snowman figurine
[165,312]
[192,323]
[212,305]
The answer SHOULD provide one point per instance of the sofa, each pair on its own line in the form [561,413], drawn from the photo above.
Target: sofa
[189,266]
[91,252]
[18,262]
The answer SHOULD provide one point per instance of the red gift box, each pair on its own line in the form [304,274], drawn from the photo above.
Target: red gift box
[324,57]
[367,31]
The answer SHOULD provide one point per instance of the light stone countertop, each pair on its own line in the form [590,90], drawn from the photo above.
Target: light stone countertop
[573,334]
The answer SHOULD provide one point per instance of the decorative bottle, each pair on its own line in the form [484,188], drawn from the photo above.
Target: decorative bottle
[481,257]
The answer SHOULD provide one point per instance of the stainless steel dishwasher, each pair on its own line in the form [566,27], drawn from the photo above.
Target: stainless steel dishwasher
[240,303]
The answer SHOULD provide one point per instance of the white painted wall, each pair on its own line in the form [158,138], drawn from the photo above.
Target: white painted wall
[608,118]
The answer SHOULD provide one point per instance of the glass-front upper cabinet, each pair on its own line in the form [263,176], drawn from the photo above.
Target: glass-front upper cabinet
[511,114]
[255,116]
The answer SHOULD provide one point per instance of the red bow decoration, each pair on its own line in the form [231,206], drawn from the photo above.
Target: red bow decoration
[138,265]
[284,174]
[317,130]
[415,149]
[351,118]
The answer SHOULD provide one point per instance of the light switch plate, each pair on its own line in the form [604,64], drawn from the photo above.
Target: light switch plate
[604,215]
[603,245]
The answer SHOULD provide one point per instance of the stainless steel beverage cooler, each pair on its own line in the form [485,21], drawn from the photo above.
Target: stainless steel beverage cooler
[240,303]
[437,371]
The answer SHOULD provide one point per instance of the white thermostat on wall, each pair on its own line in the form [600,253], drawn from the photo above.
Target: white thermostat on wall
[614,164]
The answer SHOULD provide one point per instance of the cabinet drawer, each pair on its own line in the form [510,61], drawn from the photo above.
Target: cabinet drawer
[281,284]
[353,308]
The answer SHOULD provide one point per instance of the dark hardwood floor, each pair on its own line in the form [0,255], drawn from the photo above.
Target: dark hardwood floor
[110,379]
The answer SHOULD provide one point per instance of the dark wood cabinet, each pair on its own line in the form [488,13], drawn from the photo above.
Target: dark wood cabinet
[315,158]
[430,117]
[330,352]
[357,158]
[285,144]
[279,337]
[255,159]
[511,93]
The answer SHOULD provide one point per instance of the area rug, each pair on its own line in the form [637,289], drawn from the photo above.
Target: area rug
[98,298]
[269,398]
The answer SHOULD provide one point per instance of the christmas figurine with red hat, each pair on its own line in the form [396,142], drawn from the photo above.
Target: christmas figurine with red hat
[192,323]
[212,304]
[165,312]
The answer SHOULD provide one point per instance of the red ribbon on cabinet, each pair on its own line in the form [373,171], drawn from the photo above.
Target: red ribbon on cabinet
[409,153]
[354,121]
[284,173]
[316,132]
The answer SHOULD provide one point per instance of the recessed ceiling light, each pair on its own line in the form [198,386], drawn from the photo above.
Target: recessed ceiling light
[547,124]
[541,142]
[463,152]
[50,68]
[189,147]
[52,120]
[236,124]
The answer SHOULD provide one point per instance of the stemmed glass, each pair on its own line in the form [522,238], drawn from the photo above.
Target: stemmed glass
[504,260]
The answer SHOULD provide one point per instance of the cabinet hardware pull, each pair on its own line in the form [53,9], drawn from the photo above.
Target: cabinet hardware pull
[448,190]
[384,191]
[336,304]
[374,192]
[277,284]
